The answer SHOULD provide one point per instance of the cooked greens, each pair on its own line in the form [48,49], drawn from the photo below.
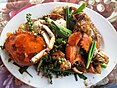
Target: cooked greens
[60,31]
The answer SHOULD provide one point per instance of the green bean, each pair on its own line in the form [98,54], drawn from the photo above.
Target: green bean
[91,53]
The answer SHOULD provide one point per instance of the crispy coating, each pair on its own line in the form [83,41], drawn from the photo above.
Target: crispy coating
[22,47]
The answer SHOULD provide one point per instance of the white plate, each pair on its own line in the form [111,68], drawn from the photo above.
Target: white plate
[106,29]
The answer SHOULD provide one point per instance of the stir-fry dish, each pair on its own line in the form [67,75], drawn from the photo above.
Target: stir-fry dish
[61,43]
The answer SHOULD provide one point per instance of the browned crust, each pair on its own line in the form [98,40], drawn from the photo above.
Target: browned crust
[22,46]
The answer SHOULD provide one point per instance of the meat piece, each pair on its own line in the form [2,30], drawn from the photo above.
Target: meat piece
[80,61]
[86,42]
[64,64]
[85,25]
[55,16]
[59,10]
[22,47]
[74,38]
[71,52]
[101,57]
[58,54]
[91,69]
[98,68]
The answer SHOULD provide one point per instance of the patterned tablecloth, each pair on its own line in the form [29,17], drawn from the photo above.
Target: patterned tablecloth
[9,8]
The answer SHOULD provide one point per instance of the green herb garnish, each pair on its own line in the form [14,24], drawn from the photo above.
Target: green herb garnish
[29,20]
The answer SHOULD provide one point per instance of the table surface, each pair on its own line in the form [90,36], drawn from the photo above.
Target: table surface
[9,8]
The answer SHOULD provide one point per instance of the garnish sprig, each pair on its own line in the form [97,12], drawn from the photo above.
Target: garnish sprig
[29,21]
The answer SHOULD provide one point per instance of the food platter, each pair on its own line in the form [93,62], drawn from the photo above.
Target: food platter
[106,29]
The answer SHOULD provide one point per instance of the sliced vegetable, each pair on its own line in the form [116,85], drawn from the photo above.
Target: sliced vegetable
[63,30]
[103,65]
[29,20]
[68,16]
[80,9]
[60,30]
[91,53]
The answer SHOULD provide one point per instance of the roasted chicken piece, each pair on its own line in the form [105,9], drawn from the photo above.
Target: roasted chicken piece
[23,46]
